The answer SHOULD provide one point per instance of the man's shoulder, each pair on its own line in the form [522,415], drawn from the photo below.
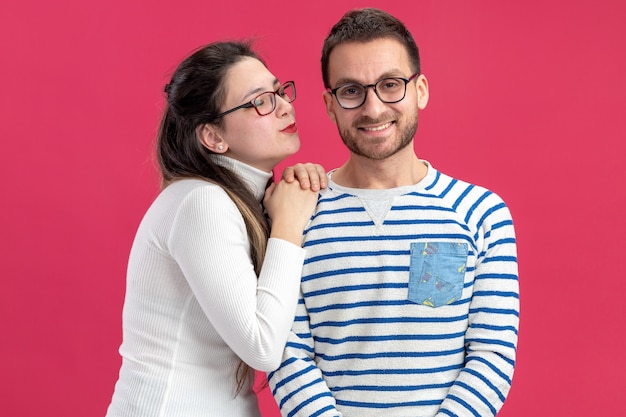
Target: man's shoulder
[465,196]
[445,180]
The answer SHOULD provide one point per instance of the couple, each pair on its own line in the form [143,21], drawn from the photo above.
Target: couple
[402,280]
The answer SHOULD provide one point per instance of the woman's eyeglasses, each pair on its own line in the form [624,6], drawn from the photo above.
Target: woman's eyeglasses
[265,103]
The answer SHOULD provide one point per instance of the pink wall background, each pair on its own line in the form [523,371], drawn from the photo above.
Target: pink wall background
[527,98]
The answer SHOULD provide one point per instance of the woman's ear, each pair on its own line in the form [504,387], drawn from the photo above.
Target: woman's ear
[208,135]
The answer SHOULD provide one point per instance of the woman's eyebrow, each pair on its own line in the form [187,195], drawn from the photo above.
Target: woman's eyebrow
[260,90]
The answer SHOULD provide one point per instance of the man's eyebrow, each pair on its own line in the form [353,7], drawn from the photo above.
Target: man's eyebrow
[387,74]
[344,81]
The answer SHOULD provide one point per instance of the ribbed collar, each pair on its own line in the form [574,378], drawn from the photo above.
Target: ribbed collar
[427,181]
[254,178]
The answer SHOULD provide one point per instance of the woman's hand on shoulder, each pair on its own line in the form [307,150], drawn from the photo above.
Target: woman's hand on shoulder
[309,175]
[290,207]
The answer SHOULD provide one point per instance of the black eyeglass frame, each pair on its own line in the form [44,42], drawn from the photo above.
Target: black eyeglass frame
[367,86]
[250,103]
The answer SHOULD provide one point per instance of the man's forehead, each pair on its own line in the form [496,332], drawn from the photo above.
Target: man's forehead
[368,61]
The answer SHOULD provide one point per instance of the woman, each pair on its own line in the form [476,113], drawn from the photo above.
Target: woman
[208,296]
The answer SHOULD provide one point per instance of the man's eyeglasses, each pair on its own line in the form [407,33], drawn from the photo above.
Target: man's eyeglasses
[265,103]
[388,90]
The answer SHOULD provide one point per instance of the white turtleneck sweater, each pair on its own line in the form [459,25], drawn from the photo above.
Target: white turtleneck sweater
[194,305]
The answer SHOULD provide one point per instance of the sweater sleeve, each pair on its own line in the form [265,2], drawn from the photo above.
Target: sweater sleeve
[297,385]
[252,314]
[491,338]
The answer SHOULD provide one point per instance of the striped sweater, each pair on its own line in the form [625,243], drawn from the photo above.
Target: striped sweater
[409,304]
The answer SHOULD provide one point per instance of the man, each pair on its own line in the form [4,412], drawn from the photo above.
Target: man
[409,303]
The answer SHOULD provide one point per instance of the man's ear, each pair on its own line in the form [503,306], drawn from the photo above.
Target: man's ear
[208,135]
[329,103]
[422,92]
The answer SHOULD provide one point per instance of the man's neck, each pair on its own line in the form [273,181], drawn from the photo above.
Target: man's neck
[396,171]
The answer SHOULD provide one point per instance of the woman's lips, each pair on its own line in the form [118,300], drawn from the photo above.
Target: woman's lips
[292,128]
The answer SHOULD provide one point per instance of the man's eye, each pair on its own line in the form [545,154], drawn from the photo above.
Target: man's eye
[351,91]
[389,84]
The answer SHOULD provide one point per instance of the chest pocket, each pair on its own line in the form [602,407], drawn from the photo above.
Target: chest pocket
[437,272]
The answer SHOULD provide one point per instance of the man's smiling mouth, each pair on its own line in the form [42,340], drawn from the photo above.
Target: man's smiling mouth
[377,128]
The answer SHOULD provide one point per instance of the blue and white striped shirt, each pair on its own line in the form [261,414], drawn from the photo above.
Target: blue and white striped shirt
[409,308]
